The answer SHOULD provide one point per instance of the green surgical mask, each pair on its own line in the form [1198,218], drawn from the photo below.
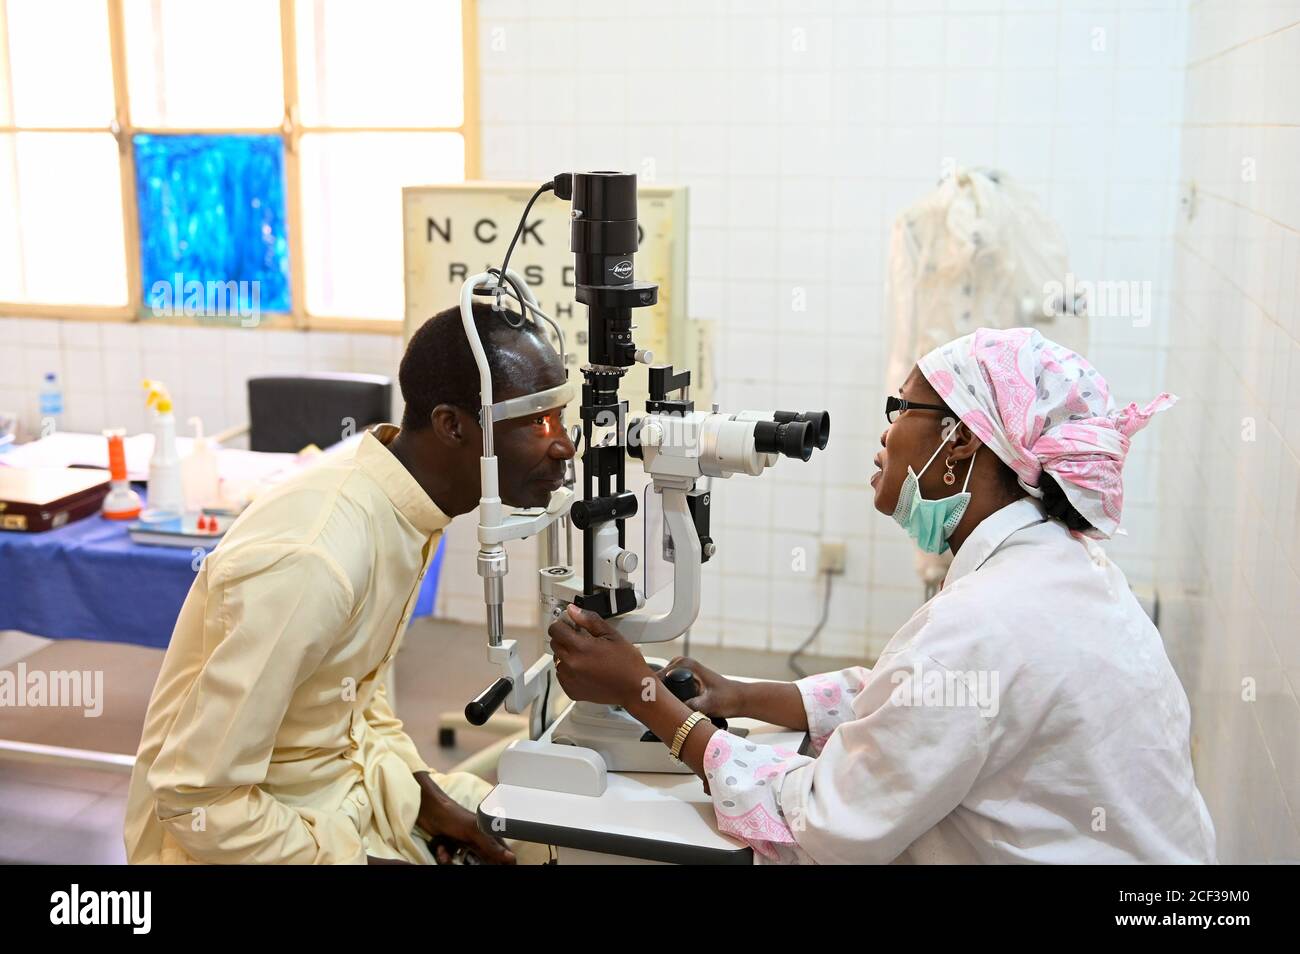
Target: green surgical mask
[931,522]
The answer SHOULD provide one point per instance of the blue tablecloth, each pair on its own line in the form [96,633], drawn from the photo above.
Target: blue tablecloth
[88,580]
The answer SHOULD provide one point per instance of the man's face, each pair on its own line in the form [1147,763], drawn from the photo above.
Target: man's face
[531,451]
[531,454]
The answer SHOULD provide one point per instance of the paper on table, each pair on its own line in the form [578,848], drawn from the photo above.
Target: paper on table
[69,449]
[240,468]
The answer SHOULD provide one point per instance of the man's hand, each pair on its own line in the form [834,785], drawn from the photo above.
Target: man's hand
[453,827]
[719,696]
[594,663]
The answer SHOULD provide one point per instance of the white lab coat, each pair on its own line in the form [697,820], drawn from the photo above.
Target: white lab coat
[1071,743]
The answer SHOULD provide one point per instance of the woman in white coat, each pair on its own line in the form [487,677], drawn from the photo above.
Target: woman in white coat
[1027,713]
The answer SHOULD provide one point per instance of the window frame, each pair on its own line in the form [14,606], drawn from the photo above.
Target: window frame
[291,133]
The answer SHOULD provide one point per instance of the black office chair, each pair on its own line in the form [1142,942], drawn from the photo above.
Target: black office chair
[286,413]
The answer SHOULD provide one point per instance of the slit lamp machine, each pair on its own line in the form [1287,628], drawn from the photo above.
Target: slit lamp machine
[681,450]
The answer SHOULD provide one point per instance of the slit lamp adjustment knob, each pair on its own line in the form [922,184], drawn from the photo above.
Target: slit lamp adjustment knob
[681,682]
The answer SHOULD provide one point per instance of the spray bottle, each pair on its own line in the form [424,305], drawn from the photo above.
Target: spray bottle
[166,499]
[122,503]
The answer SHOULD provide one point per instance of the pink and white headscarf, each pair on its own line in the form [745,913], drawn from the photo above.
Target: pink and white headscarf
[1041,407]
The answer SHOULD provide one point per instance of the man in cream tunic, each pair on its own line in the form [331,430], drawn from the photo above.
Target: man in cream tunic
[270,737]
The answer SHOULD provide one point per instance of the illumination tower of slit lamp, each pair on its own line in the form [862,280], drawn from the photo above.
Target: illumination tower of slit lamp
[676,445]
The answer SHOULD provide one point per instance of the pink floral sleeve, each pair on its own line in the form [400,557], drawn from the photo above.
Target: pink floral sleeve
[828,700]
[744,779]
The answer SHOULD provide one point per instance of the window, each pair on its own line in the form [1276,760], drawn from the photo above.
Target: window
[211,209]
[379,85]
[145,143]
[176,50]
[61,217]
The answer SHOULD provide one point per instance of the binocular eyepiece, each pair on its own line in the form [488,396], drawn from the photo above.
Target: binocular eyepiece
[819,423]
[793,434]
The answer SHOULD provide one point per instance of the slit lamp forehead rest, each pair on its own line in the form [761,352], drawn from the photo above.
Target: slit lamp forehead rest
[534,403]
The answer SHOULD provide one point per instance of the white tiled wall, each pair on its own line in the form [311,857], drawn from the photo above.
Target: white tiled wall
[102,364]
[801,129]
[1230,453]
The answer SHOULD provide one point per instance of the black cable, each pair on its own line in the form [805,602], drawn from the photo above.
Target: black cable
[523,306]
[523,220]
[527,310]
[546,701]
[793,661]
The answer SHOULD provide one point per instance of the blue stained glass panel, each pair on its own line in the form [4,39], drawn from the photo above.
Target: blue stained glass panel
[212,210]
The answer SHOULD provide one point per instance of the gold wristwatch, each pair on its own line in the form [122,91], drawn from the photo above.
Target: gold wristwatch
[675,750]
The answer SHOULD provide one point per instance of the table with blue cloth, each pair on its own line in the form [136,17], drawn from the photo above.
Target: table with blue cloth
[89,580]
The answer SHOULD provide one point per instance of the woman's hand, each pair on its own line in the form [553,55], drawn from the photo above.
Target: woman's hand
[779,703]
[719,696]
[594,663]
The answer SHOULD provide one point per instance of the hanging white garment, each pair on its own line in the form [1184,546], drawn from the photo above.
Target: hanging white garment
[977,252]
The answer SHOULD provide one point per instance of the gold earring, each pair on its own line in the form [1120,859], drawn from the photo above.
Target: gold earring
[949,478]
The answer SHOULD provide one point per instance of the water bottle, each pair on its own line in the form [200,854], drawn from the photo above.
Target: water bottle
[51,404]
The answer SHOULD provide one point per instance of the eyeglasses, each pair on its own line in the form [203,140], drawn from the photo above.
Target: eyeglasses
[896,405]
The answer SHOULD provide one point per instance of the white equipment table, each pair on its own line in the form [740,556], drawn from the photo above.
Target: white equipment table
[642,817]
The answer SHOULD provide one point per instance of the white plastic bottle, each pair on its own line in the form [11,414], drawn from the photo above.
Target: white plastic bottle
[165,497]
[199,476]
[51,402]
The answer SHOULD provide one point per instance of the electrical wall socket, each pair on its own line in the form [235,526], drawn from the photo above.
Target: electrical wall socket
[830,557]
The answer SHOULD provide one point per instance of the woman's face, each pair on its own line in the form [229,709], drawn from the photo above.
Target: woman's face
[911,440]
